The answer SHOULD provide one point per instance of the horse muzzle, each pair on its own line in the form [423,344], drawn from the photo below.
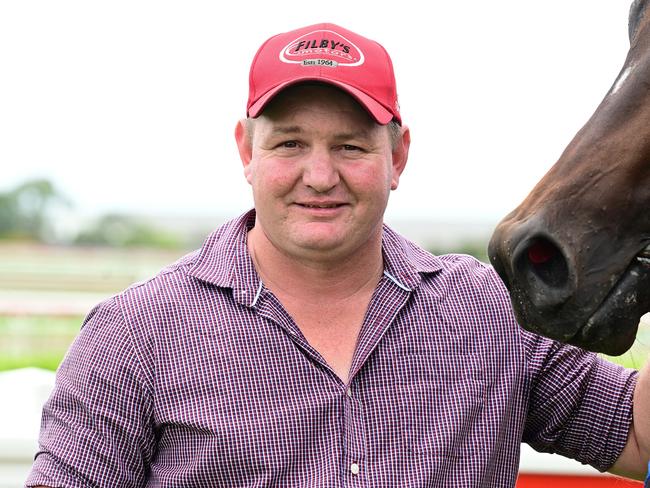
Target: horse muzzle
[560,295]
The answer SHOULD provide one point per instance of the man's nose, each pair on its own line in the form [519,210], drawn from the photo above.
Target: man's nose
[320,172]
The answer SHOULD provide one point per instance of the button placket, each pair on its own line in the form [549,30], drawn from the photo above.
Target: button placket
[354,434]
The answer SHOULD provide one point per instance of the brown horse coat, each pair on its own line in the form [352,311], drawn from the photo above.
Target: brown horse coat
[573,254]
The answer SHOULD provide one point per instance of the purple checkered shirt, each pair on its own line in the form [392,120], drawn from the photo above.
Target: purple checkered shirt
[200,378]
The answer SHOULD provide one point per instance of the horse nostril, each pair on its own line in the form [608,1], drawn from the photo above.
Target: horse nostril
[541,252]
[543,263]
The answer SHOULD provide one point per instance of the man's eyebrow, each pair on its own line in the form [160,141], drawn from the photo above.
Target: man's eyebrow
[295,129]
[357,134]
[287,129]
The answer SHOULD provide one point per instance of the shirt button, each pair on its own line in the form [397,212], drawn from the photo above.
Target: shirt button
[354,468]
[349,392]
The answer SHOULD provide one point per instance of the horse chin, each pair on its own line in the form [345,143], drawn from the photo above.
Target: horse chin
[612,327]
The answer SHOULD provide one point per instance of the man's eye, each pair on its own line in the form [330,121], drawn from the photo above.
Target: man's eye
[350,147]
[288,144]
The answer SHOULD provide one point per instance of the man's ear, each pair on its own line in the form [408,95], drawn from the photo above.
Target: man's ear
[400,156]
[245,147]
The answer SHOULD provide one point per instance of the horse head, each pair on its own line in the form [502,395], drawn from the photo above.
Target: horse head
[575,254]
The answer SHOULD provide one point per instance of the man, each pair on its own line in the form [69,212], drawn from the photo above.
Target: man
[307,344]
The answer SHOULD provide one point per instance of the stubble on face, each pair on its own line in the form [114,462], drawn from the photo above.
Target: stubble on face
[321,174]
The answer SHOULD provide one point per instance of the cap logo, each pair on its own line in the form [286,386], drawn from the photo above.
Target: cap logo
[322,48]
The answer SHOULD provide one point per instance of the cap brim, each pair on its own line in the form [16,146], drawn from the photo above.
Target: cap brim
[375,109]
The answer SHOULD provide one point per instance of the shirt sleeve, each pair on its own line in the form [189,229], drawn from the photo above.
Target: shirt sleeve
[580,405]
[96,426]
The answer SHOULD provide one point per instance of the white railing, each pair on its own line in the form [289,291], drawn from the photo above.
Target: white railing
[24,391]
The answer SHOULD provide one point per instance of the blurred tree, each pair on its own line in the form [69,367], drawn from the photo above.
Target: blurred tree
[118,230]
[28,210]
[24,210]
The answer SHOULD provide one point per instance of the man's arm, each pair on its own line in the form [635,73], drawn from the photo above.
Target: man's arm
[633,461]
[96,426]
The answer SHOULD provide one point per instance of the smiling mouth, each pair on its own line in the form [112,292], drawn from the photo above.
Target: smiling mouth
[321,205]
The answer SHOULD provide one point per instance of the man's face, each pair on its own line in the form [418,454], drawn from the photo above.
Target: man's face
[321,171]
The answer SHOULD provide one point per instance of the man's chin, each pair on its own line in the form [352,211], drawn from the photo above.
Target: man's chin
[324,244]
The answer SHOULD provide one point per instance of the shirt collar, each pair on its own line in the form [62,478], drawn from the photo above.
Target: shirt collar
[224,260]
[404,261]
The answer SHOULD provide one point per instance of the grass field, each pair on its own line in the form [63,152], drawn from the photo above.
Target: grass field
[67,268]
[41,341]
[46,291]
[37,341]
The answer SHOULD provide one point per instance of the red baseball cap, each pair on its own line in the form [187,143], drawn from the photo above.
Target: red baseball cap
[329,54]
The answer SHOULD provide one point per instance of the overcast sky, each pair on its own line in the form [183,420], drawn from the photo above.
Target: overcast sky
[131,105]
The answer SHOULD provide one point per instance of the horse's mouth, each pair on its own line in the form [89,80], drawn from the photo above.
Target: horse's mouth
[608,327]
[612,328]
